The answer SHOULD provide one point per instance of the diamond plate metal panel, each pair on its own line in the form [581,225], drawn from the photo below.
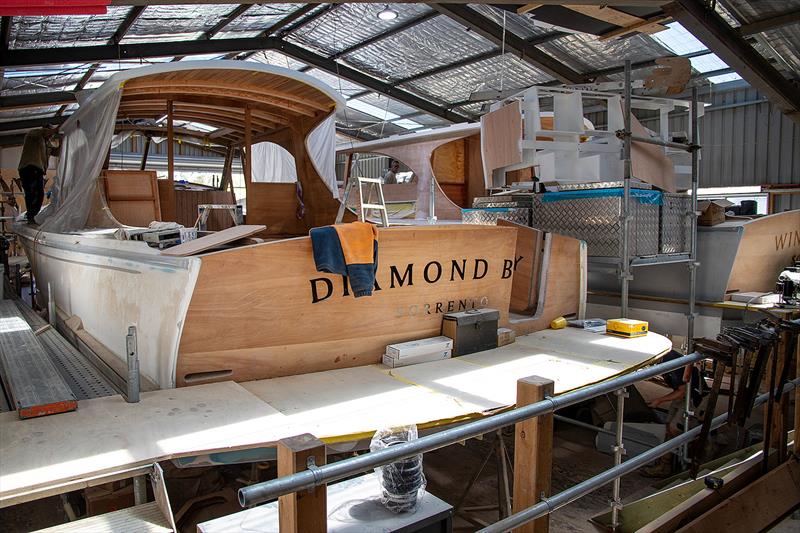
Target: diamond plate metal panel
[488,216]
[597,221]
[676,225]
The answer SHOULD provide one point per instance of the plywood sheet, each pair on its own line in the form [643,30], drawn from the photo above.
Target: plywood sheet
[281,314]
[132,196]
[501,133]
[106,434]
[207,242]
[649,163]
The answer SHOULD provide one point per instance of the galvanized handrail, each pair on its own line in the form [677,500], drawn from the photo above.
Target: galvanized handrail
[548,505]
[268,490]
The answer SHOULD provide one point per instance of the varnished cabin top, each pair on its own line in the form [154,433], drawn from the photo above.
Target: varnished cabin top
[219,97]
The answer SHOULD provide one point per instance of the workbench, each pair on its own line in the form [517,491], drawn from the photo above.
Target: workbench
[106,435]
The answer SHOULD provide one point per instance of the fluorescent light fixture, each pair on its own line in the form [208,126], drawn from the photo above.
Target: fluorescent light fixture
[387,13]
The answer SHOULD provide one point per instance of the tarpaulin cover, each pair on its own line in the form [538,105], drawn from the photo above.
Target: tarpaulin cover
[273,163]
[76,201]
[643,196]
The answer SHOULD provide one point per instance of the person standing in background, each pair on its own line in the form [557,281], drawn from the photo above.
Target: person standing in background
[32,168]
[391,175]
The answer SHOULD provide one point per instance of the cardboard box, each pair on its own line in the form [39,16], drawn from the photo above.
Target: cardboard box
[419,347]
[393,362]
[472,331]
[505,336]
[712,212]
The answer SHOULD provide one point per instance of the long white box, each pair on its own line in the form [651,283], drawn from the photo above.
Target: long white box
[393,362]
[421,346]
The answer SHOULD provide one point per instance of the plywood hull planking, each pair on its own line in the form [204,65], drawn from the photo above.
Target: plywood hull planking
[278,316]
[263,311]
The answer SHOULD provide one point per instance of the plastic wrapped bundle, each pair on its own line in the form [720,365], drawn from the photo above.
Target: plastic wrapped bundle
[402,482]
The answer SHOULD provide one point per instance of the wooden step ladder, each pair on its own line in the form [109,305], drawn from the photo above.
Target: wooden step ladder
[376,184]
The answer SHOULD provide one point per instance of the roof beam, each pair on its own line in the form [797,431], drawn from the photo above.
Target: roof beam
[725,41]
[394,30]
[23,101]
[493,32]
[126,24]
[645,3]
[283,23]
[389,89]
[144,50]
[30,123]
[227,19]
[476,58]
[5,37]
[772,23]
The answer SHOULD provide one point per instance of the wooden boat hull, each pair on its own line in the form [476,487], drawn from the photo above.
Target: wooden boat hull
[263,311]
[275,315]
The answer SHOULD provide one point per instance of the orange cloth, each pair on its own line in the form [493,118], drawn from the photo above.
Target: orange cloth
[358,242]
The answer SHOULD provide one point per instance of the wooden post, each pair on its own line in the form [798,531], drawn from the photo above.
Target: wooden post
[168,203]
[248,141]
[797,404]
[170,145]
[533,453]
[145,152]
[778,438]
[305,511]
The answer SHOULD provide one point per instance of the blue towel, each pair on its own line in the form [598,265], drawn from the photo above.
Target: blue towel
[329,257]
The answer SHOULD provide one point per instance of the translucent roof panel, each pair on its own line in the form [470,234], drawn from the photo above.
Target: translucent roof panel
[175,23]
[256,19]
[493,74]
[65,31]
[431,44]
[349,24]
[273,57]
[722,78]
[382,101]
[521,25]
[585,53]
[678,39]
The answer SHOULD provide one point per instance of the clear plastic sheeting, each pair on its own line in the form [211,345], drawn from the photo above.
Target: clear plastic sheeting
[65,31]
[175,23]
[273,163]
[428,45]
[520,25]
[256,19]
[402,482]
[349,24]
[321,146]
[585,53]
[85,143]
[493,74]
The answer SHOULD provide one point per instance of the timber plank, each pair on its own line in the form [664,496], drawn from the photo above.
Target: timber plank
[755,507]
[36,387]
[146,518]
[208,242]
